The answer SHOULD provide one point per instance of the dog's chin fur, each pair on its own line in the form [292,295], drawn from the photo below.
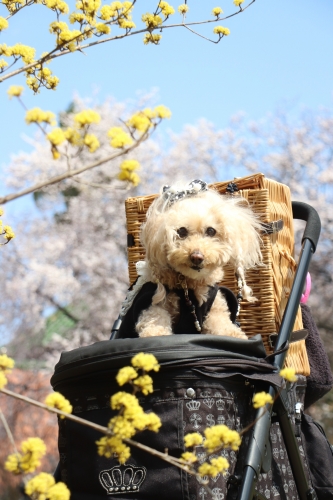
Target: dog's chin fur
[168,255]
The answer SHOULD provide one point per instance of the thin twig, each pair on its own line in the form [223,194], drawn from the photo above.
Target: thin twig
[54,54]
[8,431]
[104,430]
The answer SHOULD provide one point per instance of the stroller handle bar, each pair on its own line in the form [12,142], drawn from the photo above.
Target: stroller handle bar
[305,212]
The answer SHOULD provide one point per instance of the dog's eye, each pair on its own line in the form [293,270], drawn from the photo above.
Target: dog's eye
[210,231]
[182,232]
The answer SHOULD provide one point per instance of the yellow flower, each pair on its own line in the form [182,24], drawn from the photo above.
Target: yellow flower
[3,64]
[6,363]
[151,20]
[56,136]
[193,439]
[123,399]
[91,141]
[57,400]
[107,12]
[261,399]
[72,136]
[103,28]
[107,446]
[57,5]
[58,492]
[125,375]
[119,138]
[152,422]
[189,457]
[39,485]
[146,362]
[52,82]
[216,465]
[166,9]
[220,30]
[145,384]
[3,380]
[33,449]
[238,2]
[27,53]
[217,11]
[37,115]
[3,23]
[33,83]
[9,233]
[127,175]
[183,8]
[151,38]
[130,165]
[221,436]
[140,121]
[122,427]
[288,374]
[162,111]
[55,153]
[87,117]
[126,23]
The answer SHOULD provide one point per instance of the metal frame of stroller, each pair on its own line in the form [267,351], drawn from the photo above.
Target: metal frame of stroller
[260,434]
[258,447]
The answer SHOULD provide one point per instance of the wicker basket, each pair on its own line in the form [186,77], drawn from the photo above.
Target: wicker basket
[271,283]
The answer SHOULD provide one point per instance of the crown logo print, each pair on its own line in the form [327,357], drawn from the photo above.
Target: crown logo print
[123,478]
[220,404]
[193,405]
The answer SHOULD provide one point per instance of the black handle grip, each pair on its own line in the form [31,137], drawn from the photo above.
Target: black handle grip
[305,212]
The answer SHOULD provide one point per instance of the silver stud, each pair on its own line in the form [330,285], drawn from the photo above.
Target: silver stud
[190,393]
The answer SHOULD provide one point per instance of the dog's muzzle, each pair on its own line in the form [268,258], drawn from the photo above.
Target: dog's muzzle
[197,259]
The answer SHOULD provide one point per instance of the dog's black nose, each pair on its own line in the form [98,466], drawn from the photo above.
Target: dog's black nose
[196,258]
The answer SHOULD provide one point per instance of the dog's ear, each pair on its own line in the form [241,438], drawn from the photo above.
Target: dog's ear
[242,228]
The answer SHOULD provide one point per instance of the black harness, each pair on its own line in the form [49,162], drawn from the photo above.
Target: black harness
[185,322]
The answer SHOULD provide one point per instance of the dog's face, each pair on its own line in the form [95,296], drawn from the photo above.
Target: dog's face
[197,236]
[200,244]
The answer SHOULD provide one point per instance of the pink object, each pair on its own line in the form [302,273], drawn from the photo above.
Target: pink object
[307,291]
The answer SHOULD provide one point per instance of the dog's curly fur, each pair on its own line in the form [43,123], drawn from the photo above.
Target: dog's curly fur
[196,237]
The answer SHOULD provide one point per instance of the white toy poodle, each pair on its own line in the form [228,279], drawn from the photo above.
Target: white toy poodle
[190,235]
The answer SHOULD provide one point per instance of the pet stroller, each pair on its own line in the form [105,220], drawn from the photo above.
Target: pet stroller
[204,380]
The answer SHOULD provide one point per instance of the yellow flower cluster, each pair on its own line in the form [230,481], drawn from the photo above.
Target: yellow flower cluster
[3,23]
[58,6]
[166,9]
[146,362]
[13,5]
[220,30]
[151,38]
[213,468]
[217,11]
[14,91]
[119,138]
[57,400]
[119,12]
[65,37]
[261,399]
[221,436]
[6,363]
[127,171]
[33,449]
[18,50]
[238,3]
[37,115]
[189,457]
[91,141]
[193,439]
[87,117]
[151,20]
[288,374]
[8,233]
[183,8]
[44,487]
[3,64]
[131,418]
[56,136]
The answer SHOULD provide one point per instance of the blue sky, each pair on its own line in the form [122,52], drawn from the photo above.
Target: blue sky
[279,52]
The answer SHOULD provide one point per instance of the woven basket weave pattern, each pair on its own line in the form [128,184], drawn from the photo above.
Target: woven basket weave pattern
[271,282]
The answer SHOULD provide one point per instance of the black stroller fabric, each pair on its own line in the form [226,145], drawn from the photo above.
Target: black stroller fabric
[204,380]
